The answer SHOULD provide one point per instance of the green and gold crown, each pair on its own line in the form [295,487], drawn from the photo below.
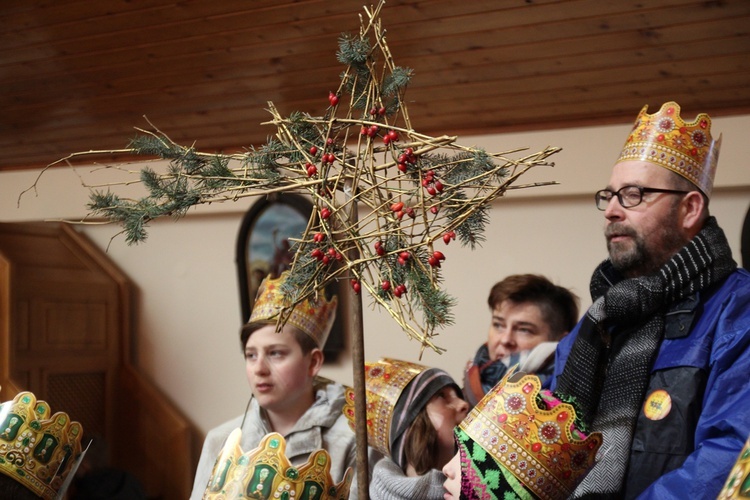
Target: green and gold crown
[385,380]
[665,139]
[314,317]
[541,447]
[266,473]
[737,484]
[38,449]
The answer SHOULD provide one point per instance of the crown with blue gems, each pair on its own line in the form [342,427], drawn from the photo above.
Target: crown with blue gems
[532,435]
[39,450]
[685,148]
[314,317]
[266,473]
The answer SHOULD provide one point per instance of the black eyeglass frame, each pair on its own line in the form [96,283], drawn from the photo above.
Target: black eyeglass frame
[607,195]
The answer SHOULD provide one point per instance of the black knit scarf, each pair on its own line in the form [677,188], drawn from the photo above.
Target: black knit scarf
[609,390]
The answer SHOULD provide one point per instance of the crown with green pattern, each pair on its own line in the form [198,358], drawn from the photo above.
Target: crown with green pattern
[38,449]
[266,473]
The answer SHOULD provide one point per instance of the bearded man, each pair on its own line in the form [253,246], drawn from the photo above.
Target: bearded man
[659,362]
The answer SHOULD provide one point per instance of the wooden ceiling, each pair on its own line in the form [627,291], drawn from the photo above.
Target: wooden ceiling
[77,75]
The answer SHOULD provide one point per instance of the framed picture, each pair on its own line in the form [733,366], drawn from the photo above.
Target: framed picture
[263,249]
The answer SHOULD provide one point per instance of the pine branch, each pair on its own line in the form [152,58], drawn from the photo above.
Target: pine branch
[414,192]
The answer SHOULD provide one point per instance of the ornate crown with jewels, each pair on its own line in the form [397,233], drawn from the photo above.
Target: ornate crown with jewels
[385,380]
[737,484]
[266,473]
[313,317]
[532,435]
[38,449]
[665,139]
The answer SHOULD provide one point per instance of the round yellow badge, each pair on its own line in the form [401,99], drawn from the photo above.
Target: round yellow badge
[657,405]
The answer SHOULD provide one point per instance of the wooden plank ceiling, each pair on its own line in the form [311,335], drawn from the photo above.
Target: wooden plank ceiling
[80,74]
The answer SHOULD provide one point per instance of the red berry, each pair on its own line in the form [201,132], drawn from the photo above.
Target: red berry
[338,256]
[401,261]
[402,158]
[404,255]
[438,255]
[378,244]
[356,287]
[385,285]
[433,262]
[325,259]
[393,135]
[400,214]
[409,151]
[447,238]
[397,206]
[319,237]
[410,212]
[317,253]
[402,167]
[329,141]
[373,111]
[363,131]
[312,170]
[325,213]
[439,186]
[381,111]
[434,209]
[334,100]
[380,251]
[432,191]
[386,140]
[332,252]
[313,150]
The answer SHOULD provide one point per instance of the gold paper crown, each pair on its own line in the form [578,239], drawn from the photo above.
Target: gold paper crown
[738,482]
[535,445]
[384,383]
[36,449]
[315,318]
[266,473]
[684,148]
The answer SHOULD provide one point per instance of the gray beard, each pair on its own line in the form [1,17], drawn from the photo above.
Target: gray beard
[634,258]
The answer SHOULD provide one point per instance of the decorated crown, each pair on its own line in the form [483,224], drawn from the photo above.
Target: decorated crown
[738,482]
[315,318]
[684,148]
[37,449]
[540,447]
[385,380]
[266,473]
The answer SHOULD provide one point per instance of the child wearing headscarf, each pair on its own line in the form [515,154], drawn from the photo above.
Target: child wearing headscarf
[411,413]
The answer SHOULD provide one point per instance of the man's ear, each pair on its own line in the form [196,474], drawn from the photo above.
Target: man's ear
[694,205]
[316,361]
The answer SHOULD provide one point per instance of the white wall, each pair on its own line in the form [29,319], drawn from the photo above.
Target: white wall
[188,306]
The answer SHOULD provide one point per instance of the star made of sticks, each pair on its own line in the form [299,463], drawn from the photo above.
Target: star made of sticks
[385,196]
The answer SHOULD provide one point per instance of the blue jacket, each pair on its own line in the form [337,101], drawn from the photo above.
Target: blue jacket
[703,364]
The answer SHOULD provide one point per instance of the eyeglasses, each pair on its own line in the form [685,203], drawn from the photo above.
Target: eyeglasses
[628,196]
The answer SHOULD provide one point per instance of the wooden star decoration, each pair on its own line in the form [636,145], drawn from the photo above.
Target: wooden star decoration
[385,196]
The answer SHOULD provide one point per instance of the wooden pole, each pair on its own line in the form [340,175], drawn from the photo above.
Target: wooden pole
[355,327]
